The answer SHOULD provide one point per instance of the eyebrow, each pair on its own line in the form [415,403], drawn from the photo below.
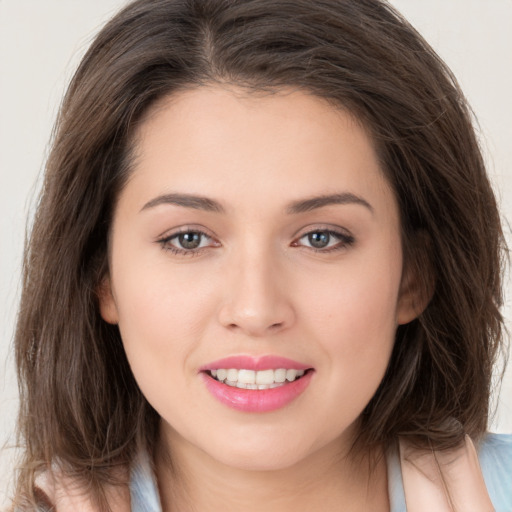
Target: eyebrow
[186,201]
[296,207]
[306,205]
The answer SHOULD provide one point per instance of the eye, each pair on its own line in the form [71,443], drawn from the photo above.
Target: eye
[187,242]
[325,240]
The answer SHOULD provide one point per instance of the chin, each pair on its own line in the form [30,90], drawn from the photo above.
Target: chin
[261,462]
[262,454]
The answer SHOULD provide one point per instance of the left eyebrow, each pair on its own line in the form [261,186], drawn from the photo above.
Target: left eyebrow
[306,205]
[186,201]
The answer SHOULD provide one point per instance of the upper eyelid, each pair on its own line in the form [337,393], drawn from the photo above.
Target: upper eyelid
[206,231]
[323,227]
[166,244]
[170,233]
[174,232]
[343,238]
[334,232]
[176,235]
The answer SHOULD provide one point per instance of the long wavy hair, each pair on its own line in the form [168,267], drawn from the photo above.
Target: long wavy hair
[80,404]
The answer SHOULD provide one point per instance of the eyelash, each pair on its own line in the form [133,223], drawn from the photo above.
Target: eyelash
[165,242]
[345,240]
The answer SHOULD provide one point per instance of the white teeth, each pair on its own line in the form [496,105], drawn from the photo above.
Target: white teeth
[291,374]
[250,379]
[232,375]
[265,377]
[280,375]
[247,376]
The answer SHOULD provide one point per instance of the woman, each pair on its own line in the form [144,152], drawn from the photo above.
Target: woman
[264,272]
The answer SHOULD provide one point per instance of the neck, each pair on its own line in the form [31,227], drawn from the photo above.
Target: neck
[194,481]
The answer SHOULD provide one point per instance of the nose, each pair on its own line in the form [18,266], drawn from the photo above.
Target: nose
[255,299]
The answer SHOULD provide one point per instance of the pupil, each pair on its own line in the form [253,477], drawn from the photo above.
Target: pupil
[190,240]
[319,240]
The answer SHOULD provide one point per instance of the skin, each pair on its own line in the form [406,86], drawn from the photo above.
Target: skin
[257,286]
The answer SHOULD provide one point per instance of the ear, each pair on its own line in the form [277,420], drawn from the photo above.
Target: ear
[108,308]
[418,280]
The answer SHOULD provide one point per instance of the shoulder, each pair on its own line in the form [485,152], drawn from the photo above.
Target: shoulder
[495,456]
[143,485]
[41,503]
[442,480]
[56,492]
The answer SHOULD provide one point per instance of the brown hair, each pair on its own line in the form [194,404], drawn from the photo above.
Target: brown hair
[80,404]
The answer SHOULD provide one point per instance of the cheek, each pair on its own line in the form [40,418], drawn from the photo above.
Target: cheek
[161,313]
[161,322]
[353,316]
[357,302]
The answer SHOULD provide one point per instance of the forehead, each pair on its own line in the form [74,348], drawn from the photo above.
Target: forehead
[240,145]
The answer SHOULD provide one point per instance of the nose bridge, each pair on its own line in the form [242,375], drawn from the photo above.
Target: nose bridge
[255,300]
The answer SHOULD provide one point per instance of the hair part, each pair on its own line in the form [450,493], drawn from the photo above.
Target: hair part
[80,405]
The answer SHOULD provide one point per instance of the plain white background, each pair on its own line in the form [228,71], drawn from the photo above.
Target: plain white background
[41,43]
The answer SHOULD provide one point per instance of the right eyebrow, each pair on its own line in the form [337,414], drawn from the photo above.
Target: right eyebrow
[313,203]
[186,201]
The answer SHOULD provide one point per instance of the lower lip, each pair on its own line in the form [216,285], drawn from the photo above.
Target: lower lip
[257,400]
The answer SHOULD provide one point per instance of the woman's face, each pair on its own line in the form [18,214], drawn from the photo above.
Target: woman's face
[256,233]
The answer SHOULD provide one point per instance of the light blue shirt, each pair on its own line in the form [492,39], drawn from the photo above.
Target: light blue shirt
[494,453]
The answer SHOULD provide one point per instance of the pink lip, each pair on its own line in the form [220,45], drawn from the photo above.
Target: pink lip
[254,400]
[255,363]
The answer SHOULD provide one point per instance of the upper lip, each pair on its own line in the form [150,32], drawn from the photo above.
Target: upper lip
[267,362]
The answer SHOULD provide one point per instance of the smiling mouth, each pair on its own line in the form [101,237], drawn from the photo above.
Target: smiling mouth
[256,380]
